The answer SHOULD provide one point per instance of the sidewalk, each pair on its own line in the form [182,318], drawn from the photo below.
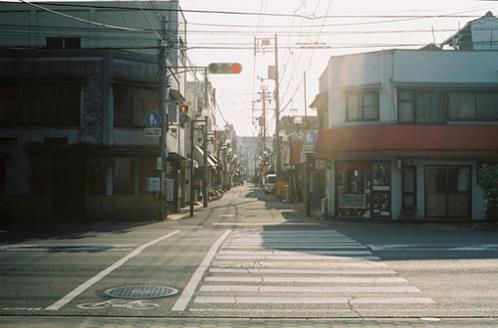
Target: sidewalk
[184,212]
[147,322]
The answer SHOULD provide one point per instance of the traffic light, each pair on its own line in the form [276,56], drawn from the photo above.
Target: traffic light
[183,114]
[225,68]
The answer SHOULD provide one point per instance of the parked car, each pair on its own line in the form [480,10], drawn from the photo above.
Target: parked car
[270,183]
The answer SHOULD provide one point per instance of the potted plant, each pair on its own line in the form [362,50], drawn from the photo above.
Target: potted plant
[489,184]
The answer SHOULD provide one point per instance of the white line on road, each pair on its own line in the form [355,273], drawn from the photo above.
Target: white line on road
[303,271]
[295,257]
[292,253]
[311,300]
[310,289]
[303,247]
[307,279]
[84,286]
[286,223]
[189,290]
[297,264]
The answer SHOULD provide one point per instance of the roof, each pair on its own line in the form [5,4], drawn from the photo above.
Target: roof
[465,30]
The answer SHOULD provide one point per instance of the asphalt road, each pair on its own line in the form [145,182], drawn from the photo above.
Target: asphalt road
[250,257]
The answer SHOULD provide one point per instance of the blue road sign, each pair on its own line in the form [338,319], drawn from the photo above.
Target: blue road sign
[153,119]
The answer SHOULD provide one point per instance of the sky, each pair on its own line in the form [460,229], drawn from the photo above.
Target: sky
[214,37]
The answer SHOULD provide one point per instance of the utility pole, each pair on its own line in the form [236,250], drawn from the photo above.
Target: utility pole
[191,178]
[204,173]
[204,143]
[163,98]
[277,114]
[308,159]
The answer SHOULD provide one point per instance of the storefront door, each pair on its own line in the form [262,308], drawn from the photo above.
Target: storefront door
[409,181]
[447,192]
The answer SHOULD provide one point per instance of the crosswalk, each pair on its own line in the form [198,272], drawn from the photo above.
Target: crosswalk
[304,271]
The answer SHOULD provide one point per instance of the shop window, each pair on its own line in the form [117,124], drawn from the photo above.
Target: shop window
[124,176]
[148,168]
[40,180]
[40,104]
[132,103]
[362,106]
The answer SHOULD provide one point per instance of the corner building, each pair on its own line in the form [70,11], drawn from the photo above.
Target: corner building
[406,132]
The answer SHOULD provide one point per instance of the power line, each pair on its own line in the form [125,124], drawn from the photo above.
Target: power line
[248,13]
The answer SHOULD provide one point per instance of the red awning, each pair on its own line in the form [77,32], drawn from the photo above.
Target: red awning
[409,141]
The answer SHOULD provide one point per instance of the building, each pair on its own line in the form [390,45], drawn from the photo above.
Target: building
[407,131]
[75,100]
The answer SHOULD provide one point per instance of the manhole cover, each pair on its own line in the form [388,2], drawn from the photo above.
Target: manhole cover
[141,291]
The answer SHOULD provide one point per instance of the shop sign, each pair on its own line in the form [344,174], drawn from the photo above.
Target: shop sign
[170,189]
[352,201]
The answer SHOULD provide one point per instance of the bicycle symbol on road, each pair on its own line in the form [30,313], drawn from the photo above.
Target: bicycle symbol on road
[132,305]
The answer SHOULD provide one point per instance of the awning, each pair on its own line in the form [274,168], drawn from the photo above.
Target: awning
[408,141]
[199,157]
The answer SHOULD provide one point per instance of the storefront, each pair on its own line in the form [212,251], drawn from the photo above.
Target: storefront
[363,189]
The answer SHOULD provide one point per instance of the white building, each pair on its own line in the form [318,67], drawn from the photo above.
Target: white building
[406,132]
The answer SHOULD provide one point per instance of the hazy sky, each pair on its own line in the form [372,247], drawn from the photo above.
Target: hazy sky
[236,93]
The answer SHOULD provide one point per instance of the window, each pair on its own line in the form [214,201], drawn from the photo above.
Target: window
[40,104]
[362,106]
[433,106]
[63,43]
[132,103]
[472,106]
[420,106]
[124,176]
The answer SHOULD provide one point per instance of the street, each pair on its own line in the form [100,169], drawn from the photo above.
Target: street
[250,260]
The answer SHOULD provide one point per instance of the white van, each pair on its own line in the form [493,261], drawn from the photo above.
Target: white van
[270,183]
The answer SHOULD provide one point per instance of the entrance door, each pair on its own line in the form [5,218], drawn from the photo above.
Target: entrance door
[69,186]
[409,181]
[447,191]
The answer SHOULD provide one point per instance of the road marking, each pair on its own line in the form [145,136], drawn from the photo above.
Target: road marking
[310,300]
[304,247]
[84,286]
[261,264]
[296,257]
[21,308]
[307,279]
[286,223]
[303,271]
[310,289]
[304,311]
[189,290]
[291,253]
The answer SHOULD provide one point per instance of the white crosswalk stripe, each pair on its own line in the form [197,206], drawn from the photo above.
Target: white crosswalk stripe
[263,270]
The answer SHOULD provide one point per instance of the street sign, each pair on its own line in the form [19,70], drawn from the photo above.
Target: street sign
[309,141]
[153,120]
[152,132]
[153,184]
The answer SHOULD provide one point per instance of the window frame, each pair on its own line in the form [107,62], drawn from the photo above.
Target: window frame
[361,105]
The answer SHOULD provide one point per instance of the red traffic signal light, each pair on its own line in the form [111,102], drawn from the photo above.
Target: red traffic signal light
[225,68]
[184,109]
